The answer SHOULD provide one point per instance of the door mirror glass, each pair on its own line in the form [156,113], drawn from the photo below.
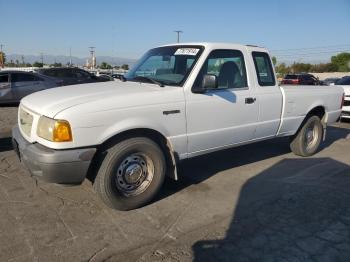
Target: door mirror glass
[210,82]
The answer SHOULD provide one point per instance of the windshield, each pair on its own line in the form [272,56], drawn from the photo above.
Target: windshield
[169,65]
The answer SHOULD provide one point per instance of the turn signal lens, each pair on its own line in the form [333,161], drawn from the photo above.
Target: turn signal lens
[62,131]
[54,130]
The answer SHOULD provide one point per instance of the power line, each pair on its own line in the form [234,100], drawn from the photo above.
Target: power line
[312,53]
[311,48]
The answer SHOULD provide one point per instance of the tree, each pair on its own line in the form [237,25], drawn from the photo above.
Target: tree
[56,64]
[341,61]
[300,67]
[38,64]
[105,65]
[125,67]
[282,69]
[320,68]
[274,60]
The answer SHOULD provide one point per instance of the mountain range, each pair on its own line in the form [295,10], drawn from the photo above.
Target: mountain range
[50,59]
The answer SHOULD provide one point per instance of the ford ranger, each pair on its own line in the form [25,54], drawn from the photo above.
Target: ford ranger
[179,101]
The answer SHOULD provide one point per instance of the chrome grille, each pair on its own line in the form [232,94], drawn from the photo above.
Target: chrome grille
[25,121]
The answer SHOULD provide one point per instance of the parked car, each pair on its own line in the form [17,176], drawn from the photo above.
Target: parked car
[107,77]
[330,81]
[117,76]
[71,75]
[345,84]
[14,85]
[128,135]
[300,79]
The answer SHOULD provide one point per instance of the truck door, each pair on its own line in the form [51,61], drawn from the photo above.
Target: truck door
[268,95]
[225,115]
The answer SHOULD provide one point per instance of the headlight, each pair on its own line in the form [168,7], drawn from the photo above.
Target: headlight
[54,130]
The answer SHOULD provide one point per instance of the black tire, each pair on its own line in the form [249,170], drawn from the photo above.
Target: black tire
[111,179]
[304,144]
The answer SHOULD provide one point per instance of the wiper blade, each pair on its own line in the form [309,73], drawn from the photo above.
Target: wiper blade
[149,79]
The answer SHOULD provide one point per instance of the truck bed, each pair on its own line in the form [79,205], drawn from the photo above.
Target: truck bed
[299,99]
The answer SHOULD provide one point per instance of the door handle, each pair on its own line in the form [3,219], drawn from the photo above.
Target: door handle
[250,100]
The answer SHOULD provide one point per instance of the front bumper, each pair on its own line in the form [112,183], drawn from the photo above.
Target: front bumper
[50,165]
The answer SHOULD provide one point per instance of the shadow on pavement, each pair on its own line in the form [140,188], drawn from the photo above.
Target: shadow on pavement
[5,144]
[198,169]
[297,210]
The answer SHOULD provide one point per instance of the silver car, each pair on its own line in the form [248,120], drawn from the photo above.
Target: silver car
[14,85]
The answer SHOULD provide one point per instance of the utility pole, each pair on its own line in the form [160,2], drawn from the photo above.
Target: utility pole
[42,58]
[70,56]
[178,32]
[22,58]
[1,45]
[93,59]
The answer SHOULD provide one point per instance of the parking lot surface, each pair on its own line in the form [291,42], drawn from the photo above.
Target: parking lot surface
[253,203]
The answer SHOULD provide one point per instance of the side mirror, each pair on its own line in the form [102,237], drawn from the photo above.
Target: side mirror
[209,82]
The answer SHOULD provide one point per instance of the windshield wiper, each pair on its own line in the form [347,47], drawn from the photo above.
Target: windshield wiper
[149,79]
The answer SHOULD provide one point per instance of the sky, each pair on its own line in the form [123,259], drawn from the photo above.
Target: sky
[300,30]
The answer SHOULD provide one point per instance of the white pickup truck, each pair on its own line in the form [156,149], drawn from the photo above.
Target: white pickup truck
[178,101]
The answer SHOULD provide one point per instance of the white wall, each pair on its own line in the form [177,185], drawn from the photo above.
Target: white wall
[323,76]
[26,69]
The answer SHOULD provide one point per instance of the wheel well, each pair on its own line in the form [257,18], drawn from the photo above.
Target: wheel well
[154,135]
[317,111]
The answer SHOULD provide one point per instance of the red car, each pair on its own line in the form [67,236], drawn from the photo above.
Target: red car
[300,79]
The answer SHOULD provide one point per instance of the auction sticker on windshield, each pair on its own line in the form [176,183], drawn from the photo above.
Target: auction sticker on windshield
[187,51]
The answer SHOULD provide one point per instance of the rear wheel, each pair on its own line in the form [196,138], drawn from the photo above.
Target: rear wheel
[307,141]
[131,173]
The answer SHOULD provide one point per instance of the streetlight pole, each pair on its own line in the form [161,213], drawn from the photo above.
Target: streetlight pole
[92,53]
[178,32]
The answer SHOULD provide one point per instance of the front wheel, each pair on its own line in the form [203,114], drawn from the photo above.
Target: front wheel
[308,138]
[131,173]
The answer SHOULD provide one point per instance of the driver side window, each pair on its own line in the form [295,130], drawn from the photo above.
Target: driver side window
[228,66]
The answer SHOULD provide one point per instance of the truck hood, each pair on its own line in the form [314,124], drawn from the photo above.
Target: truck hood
[52,101]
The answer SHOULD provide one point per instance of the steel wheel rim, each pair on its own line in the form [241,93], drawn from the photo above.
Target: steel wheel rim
[134,174]
[311,136]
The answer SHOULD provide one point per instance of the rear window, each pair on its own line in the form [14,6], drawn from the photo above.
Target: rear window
[344,81]
[4,78]
[291,77]
[60,73]
[18,77]
[264,69]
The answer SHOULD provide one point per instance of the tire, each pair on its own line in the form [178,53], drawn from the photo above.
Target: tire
[308,139]
[131,173]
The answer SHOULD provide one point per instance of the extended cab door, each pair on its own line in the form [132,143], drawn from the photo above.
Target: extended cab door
[268,95]
[225,115]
